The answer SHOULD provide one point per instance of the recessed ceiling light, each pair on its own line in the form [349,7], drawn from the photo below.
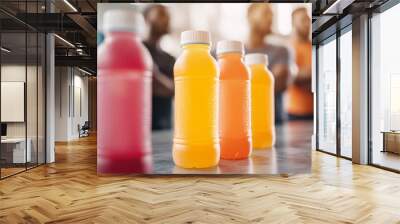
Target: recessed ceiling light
[70,5]
[337,7]
[64,40]
[84,71]
[5,50]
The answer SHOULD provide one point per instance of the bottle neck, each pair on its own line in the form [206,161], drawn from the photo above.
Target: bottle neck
[199,47]
[120,34]
[231,56]
[258,66]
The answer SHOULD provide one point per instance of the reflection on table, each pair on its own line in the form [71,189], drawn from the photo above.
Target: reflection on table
[292,154]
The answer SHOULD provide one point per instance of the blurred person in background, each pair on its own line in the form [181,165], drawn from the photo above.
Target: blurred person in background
[299,95]
[260,21]
[157,18]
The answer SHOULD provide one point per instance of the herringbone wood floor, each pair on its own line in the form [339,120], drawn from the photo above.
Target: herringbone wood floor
[69,191]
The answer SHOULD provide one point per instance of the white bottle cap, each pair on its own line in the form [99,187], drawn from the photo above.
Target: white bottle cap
[226,46]
[195,37]
[122,20]
[256,58]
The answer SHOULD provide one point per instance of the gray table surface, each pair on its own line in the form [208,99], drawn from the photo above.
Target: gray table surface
[291,154]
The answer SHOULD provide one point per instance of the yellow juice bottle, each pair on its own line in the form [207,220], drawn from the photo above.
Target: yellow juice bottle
[196,76]
[262,101]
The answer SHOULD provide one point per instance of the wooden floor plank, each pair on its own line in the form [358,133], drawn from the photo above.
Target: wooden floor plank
[69,191]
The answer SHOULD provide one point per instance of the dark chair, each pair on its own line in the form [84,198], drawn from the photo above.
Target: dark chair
[84,130]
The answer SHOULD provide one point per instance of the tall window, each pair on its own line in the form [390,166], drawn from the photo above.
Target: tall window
[327,96]
[385,89]
[346,94]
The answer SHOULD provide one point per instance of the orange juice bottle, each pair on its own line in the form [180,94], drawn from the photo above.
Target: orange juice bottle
[235,117]
[262,101]
[196,76]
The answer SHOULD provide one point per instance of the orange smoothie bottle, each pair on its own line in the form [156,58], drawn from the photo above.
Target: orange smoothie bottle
[235,117]
[262,101]
[196,76]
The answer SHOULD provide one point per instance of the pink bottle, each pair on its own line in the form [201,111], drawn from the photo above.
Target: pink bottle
[123,97]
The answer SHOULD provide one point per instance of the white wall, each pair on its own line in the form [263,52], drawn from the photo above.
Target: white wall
[69,82]
[62,77]
[16,73]
[81,84]
[33,126]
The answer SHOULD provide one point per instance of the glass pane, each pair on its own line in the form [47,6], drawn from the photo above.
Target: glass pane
[327,97]
[346,94]
[32,87]
[31,97]
[13,89]
[386,89]
[41,98]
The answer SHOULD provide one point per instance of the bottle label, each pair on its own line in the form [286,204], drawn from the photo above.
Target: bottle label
[235,108]
[196,110]
[124,113]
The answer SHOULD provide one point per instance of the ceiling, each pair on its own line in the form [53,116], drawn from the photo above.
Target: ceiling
[75,22]
[331,15]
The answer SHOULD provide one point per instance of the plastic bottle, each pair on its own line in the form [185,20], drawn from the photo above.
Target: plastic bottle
[262,101]
[235,117]
[124,96]
[196,76]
